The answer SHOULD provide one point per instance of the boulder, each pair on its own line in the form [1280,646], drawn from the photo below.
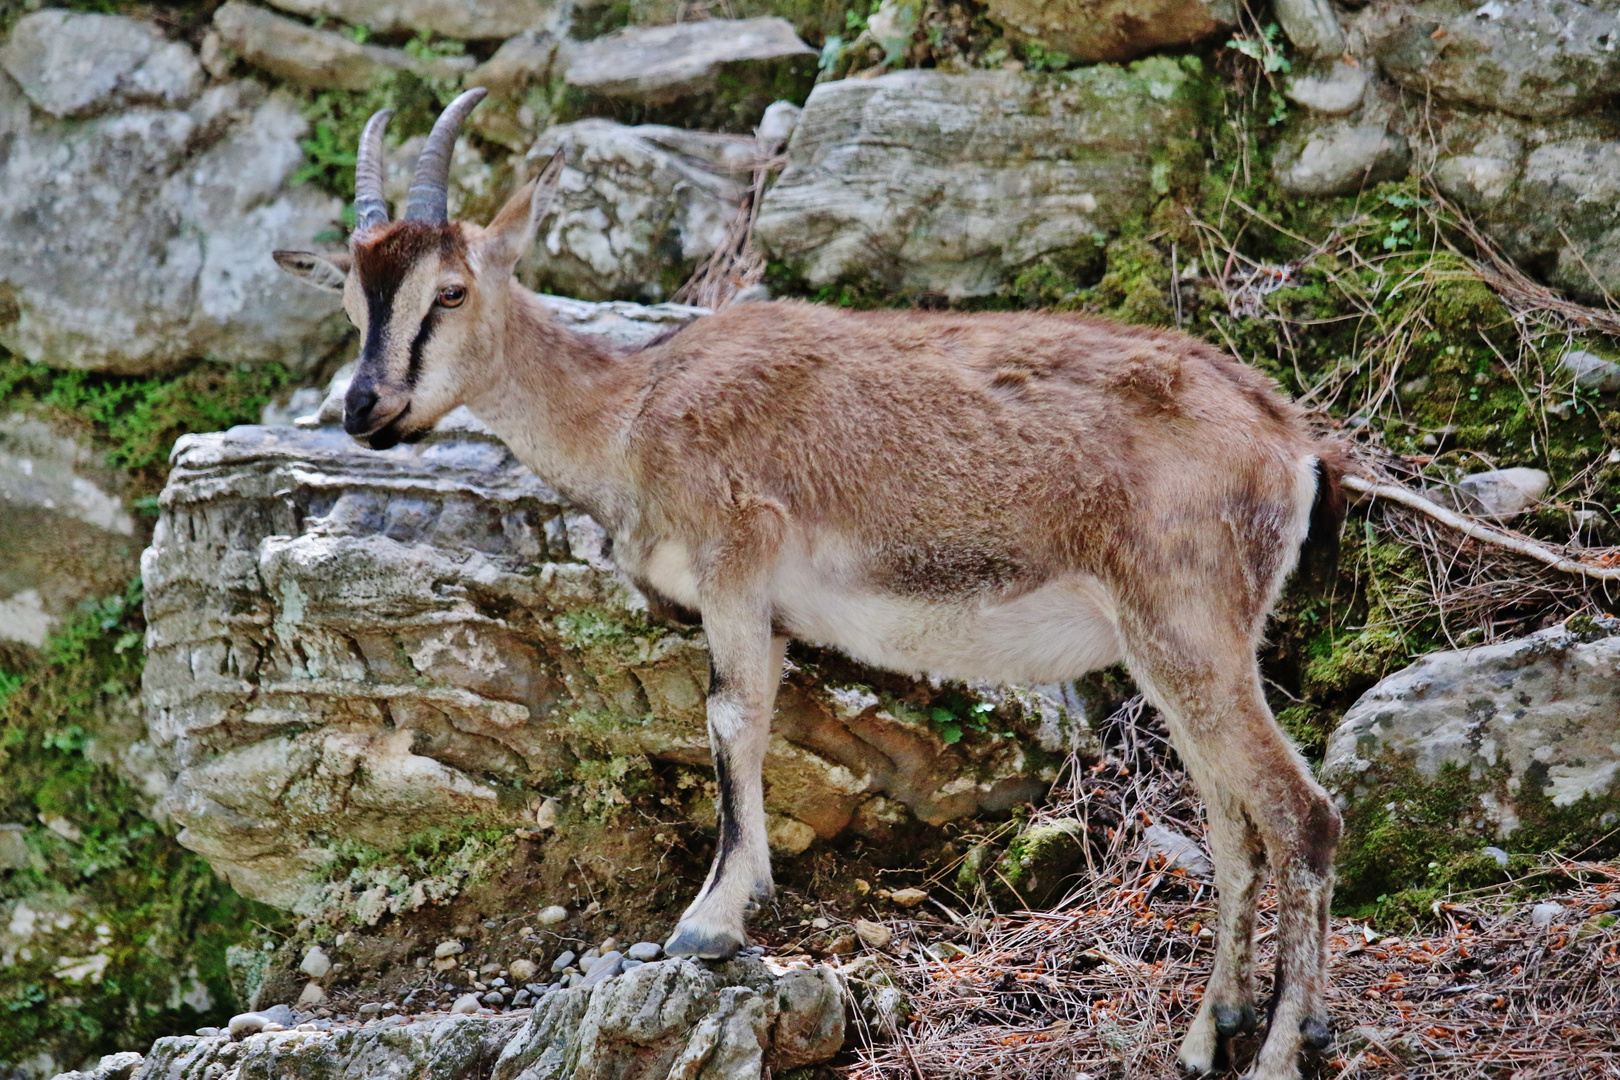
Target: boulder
[1334,90]
[930,181]
[66,530]
[1091,31]
[1518,741]
[448,18]
[80,65]
[346,648]
[637,208]
[673,1018]
[1565,211]
[321,59]
[1311,26]
[132,241]
[1532,58]
[1341,158]
[655,65]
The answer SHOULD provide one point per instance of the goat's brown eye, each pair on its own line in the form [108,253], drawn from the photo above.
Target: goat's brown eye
[452,296]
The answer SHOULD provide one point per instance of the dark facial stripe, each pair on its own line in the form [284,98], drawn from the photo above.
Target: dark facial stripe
[418,343]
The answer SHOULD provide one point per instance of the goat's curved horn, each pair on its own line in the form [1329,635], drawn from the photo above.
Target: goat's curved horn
[369,207]
[429,195]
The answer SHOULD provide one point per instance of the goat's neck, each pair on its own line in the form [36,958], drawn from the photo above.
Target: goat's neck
[562,403]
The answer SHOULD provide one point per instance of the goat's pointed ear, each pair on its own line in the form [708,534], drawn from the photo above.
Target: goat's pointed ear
[322,271]
[510,234]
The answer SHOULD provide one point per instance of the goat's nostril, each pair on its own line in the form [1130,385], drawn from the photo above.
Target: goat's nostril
[357,406]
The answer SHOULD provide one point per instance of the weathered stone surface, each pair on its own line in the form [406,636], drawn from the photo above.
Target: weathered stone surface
[655,65]
[134,240]
[1503,494]
[1531,726]
[637,208]
[1591,371]
[1565,210]
[348,647]
[1111,30]
[64,527]
[932,181]
[1312,27]
[1340,158]
[322,59]
[1534,58]
[78,65]
[1334,90]
[449,18]
[1482,177]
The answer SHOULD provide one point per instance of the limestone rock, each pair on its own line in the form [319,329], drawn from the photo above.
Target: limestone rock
[322,59]
[1112,30]
[637,207]
[1591,371]
[132,241]
[1503,494]
[1341,158]
[655,65]
[1312,27]
[1528,57]
[1178,852]
[1334,91]
[1484,176]
[348,647]
[79,65]
[448,18]
[933,181]
[1565,210]
[1528,727]
[64,526]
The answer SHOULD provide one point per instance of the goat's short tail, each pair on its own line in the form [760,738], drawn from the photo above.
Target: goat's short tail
[1319,554]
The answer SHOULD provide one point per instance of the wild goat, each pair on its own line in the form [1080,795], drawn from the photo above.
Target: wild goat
[1013,497]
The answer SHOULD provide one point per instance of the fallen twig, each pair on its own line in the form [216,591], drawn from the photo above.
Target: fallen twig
[1484,533]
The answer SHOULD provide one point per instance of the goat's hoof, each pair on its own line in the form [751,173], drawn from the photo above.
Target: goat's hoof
[1316,1033]
[703,943]
[1234,1019]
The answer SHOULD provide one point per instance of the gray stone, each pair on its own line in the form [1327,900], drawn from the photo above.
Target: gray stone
[65,528]
[637,207]
[1497,854]
[1528,721]
[14,854]
[119,1066]
[1545,914]
[551,916]
[1483,177]
[1178,852]
[316,963]
[603,968]
[1341,158]
[1529,57]
[135,240]
[466,1003]
[449,18]
[1334,91]
[563,962]
[1111,30]
[925,180]
[1503,494]
[322,59]
[1312,27]
[79,65]
[645,950]
[494,999]
[810,1018]
[655,65]
[1591,371]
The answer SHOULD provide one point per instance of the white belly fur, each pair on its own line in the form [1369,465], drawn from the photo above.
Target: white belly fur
[1057,632]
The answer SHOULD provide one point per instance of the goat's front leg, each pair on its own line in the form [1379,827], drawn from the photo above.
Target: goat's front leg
[745,664]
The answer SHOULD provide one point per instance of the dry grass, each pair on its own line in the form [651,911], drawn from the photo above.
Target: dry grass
[1104,985]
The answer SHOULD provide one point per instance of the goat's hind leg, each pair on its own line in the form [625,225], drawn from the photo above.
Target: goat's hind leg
[1237,754]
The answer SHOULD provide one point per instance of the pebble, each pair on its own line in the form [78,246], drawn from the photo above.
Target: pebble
[605,968]
[1498,854]
[370,1008]
[448,949]
[645,951]
[551,916]
[316,963]
[589,958]
[608,945]
[245,1024]
[537,989]
[566,960]
[208,1032]
[494,999]
[312,996]
[874,934]
[466,1003]
[521,998]
[628,964]
[1544,914]
[908,897]
[491,924]
[572,979]
[522,970]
